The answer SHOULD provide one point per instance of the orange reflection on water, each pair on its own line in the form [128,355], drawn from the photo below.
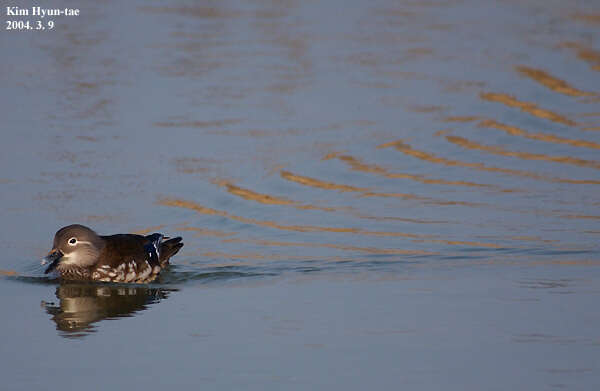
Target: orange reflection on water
[586,217]
[588,17]
[550,81]
[426,200]
[464,118]
[267,199]
[463,142]
[318,183]
[298,228]
[515,131]
[585,53]
[408,150]
[593,125]
[527,107]
[367,192]
[358,165]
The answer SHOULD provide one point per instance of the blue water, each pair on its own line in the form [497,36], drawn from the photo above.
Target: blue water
[371,194]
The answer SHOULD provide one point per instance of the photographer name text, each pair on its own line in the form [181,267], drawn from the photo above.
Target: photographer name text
[41,12]
[19,18]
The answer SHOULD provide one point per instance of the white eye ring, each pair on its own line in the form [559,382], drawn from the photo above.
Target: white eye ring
[72,241]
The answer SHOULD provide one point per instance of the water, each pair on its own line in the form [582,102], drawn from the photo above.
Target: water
[371,194]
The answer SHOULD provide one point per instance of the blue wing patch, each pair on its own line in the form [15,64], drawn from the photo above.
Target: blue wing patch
[152,248]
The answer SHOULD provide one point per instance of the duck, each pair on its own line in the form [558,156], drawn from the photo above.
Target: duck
[79,253]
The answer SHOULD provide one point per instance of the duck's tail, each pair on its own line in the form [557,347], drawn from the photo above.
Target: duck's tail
[168,248]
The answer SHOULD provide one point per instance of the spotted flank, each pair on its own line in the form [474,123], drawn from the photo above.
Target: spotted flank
[132,271]
[79,253]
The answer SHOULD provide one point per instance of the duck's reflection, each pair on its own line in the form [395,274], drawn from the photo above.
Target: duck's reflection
[81,305]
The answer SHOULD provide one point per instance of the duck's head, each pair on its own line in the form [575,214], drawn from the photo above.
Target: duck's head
[74,246]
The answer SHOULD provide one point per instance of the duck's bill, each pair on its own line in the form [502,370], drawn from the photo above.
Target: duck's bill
[52,258]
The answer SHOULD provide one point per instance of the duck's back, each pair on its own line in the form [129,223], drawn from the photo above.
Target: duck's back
[134,258]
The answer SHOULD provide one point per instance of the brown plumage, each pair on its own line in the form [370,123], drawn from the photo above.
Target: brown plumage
[78,253]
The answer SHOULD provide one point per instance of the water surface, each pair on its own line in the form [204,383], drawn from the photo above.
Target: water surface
[371,194]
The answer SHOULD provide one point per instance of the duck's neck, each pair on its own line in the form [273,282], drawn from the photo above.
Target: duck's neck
[73,272]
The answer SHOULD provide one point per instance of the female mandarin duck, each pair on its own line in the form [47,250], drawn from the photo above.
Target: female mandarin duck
[78,253]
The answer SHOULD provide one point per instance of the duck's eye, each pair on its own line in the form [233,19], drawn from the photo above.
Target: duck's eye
[72,241]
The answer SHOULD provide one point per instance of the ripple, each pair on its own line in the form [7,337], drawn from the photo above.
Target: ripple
[358,165]
[515,131]
[194,206]
[527,107]
[553,83]
[468,144]
[401,146]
